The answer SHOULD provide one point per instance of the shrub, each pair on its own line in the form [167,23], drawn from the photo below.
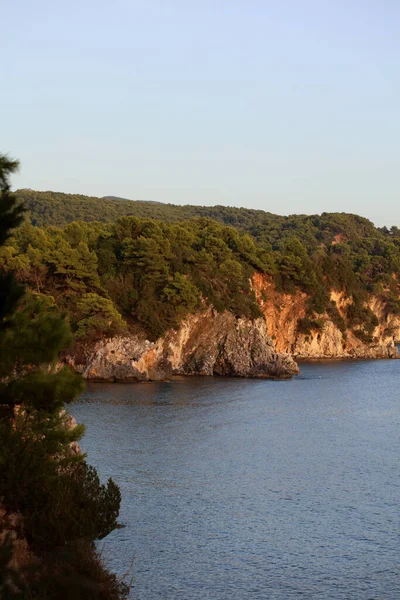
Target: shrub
[336,317]
[97,315]
[59,496]
[306,325]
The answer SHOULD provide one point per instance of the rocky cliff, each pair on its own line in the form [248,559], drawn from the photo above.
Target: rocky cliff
[283,311]
[212,343]
[207,343]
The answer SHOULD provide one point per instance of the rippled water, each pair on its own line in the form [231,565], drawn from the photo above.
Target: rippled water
[239,489]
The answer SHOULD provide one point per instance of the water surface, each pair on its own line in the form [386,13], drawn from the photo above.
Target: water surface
[239,489]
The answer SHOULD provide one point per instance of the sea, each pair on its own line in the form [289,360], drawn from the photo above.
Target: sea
[240,489]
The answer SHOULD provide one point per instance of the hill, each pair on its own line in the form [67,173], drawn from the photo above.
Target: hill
[56,208]
[153,263]
[127,199]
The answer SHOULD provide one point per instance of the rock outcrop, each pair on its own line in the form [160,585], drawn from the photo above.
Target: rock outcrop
[207,343]
[283,311]
[212,343]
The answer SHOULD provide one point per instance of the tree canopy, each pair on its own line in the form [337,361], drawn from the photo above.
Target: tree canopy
[152,263]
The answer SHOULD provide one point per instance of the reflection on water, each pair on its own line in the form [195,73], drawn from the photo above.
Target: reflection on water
[247,489]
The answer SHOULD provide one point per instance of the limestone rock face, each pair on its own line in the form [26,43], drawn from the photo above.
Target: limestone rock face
[225,345]
[212,343]
[207,343]
[282,312]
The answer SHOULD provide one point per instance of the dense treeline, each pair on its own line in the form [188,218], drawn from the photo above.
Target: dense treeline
[54,208]
[136,270]
[165,260]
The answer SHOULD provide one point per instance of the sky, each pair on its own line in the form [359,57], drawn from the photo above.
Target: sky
[290,106]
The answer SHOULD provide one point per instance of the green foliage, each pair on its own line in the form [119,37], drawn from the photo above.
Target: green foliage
[336,317]
[181,293]
[307,325]
[392,305]
[361,319]
[10,210]
[139,270]
[151,243]
[59,496]
[359,314]
[32,335]
[96,314]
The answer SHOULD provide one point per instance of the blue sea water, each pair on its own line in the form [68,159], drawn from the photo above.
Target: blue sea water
[243,489]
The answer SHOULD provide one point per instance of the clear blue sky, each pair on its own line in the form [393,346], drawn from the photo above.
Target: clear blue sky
[291,106]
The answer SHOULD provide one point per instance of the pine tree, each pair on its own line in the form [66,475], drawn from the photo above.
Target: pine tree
[62,503]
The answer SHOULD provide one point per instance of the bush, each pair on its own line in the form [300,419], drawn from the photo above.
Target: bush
[361,319]
[97,315]
[60,497]
[307,325]
[336,317]
[362,335]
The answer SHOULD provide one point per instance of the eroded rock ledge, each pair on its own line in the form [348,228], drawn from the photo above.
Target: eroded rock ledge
[208,343]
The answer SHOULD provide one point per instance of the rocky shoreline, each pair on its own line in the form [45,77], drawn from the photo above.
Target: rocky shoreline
[207,343]
[213,343]
[283,311]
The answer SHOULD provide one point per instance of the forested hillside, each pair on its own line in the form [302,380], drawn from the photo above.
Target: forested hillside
[150,272]
[164,261]
[54,208]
